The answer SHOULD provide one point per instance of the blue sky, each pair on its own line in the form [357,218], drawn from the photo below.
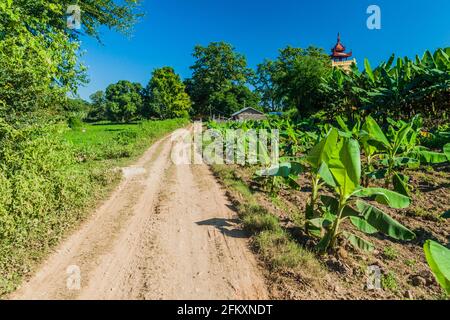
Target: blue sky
[170,29]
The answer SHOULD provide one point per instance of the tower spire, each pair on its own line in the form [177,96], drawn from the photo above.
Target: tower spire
[338,51]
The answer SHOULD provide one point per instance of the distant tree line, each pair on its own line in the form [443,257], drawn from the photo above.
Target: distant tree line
[221,84]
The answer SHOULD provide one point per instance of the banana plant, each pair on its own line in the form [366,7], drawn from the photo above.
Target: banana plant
[389,151]
[287,172]
[438,258]
[344,167]
[317,160]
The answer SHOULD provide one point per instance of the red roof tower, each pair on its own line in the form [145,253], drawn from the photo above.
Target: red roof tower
[338,51]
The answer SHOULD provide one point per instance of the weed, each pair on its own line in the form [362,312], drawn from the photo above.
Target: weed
[281,252]
[390,253]
[389,282]
[410,262]
[260,222]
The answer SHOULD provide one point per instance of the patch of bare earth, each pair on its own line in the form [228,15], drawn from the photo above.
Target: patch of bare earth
[167,232]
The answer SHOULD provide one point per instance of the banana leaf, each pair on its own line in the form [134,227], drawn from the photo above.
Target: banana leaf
[438,258]
[384,196]
[358,242]
[363,225]
[384,223]
[285,170]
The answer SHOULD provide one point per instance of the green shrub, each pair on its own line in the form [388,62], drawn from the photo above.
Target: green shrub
[41,195]
[74,122]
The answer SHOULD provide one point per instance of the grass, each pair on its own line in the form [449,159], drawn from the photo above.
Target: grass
[281,252]
[389,282]
[117,142]
[255,223]
[390,253]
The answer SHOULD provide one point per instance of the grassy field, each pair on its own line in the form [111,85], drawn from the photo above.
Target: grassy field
[117,142]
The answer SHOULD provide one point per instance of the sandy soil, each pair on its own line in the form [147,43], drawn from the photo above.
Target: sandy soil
[167,232]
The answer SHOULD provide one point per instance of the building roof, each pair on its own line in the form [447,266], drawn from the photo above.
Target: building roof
[338,51]
[245,109]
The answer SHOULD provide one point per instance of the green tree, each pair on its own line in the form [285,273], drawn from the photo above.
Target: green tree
[232,99]
[297,77]
[123,101]
[166,96]
[266,87]
[97,109]
[39,54]
[217,69]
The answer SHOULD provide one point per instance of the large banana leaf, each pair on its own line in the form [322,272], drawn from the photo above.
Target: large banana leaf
[431,157]
[368,70]
[438,258]
[284,170]
[363,225]
[358,242]
[384,223]
[345,166]
[400,182]
[392,199]
[323,150]
[326,175]
[447,151]
[375,132]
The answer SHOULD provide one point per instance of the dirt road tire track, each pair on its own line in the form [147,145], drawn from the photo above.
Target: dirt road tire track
[166,232]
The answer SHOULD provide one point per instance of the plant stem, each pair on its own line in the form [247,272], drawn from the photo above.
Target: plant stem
[336,224]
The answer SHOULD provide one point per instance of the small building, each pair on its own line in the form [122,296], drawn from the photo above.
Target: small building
[248,113]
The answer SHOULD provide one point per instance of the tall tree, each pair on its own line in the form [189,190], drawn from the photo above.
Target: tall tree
[218,69]
[98,106]
[266,87]
[297,76]
[123,101]
[166,96]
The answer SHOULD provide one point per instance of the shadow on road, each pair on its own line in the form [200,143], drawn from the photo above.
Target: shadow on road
[227,226]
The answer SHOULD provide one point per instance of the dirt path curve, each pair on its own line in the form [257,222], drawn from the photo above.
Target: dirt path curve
[166,232]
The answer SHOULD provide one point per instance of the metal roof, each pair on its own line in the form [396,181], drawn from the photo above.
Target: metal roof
[245,109]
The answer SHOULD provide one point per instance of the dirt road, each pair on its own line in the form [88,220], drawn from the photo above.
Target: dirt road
[166,232]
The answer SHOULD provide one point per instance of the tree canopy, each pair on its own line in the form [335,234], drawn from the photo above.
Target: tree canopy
[218,72]
[123,101]
[166,96]
[39,55]
[293,80]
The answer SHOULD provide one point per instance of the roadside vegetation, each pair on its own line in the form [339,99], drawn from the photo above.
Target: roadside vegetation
[55,167]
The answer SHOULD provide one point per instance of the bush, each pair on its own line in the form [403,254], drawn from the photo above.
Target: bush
[41,195]
[74,122]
